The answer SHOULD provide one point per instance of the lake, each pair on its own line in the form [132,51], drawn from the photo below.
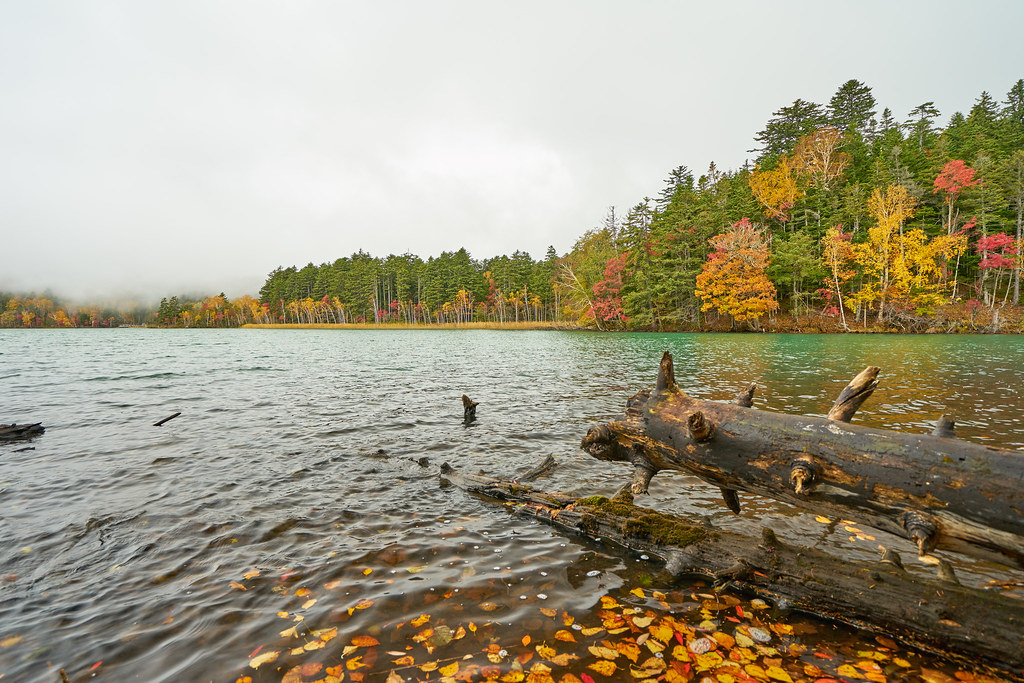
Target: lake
[299,489]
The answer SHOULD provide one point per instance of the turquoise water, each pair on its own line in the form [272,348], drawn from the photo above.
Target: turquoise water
[299,454]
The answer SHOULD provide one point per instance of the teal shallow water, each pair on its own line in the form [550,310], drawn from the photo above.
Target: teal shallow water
[297,454]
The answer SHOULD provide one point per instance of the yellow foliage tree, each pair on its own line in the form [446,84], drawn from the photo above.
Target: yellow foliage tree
[776,190]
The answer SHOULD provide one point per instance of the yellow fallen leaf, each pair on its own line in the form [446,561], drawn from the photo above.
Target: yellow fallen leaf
[779,674]
[848,671]
[707,661]
[823,520]
[394,678]
[314,645]
[355,663]
[309,603]
[591,630]
[546,651]
[603,667]
[427,667]
[235,584]
[11,641]
[450,669]
[567,619]
[283,615]
[565,636]
[296,651]
[638,592]
[364,603]
[367,572]
[513,677]
[420,620]
[603,652]
[563,659]
[264,658]
[303,592]
[251,574]
[628,649]
[416,570]
[642,622]
[548,612]
[326,634]
[289,633]
[608,602]
[407,660]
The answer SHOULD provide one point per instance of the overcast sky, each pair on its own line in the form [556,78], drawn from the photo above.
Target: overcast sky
[156,148]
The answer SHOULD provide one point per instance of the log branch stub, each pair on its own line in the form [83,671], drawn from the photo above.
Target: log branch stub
[666,375]
[945,427]
[891,557]
[701,429]
[922,530]
[854,394]
[468,409]
[803,474]
[13,432]
[746,397]
[732,499]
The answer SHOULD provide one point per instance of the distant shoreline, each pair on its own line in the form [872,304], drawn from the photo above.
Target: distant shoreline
[542,325]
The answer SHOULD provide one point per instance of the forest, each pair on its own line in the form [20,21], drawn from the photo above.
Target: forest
[847,218]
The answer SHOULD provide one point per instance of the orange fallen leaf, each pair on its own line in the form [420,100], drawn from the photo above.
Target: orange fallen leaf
[548,612]
[526,640]
[364,603]
[303,592]
[367,572]
[407,660]
[565,636]
[331,585]
[355,663]
[420,620]
[365,641]
[235,584]
[427,667]
[251,574]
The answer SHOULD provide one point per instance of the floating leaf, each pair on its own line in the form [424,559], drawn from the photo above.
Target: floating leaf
[235,584]
[407,660]
[823,520]
[314,645]
[571,678]
[428,667]
[303,592]
[10,641]
[393,677]
[724,639]
[363,604]
[602,652]
[513,677]
[642,622]
[526,640]
[289,633]
[416,570]
[365,641]
[488,606]
[702,645]
[367,572]
[608,602]
[628,649]
[563,659]
[760,635]
[848,671]
[779,674]
[548,612]
[603,667]
[420,620]
[565,636]
[450,669]
[649,669]
[309,603]
[331,585]
[251,574]
[546,651]
[638,592]
[264,658]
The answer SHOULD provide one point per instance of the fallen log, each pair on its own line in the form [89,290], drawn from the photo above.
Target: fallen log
[14,432]
[937,491]
[937,615]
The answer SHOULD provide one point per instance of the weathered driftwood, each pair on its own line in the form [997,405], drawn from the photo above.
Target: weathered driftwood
[468,409]
[14,432]
[160,423]
[939,615]
[933,489]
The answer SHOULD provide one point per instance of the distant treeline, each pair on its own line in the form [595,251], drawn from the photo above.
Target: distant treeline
[848,218]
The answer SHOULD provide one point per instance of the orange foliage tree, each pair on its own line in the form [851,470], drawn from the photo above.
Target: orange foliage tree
[733,279]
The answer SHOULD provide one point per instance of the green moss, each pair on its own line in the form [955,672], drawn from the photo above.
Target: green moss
[641,523]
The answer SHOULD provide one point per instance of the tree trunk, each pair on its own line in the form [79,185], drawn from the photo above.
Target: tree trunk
[933,489]
[938,615]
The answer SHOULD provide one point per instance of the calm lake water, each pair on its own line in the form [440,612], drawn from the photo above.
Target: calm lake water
[293,483]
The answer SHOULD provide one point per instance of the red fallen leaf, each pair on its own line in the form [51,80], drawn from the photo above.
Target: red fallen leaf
[253,653]
[679,637]
[587,678]
[739,611]
[733,619]
[96,665]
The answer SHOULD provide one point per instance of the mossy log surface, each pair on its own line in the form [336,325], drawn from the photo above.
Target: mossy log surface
[938,491]
[940,616]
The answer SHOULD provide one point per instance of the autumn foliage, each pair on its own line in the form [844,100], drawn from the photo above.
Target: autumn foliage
[733,280]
